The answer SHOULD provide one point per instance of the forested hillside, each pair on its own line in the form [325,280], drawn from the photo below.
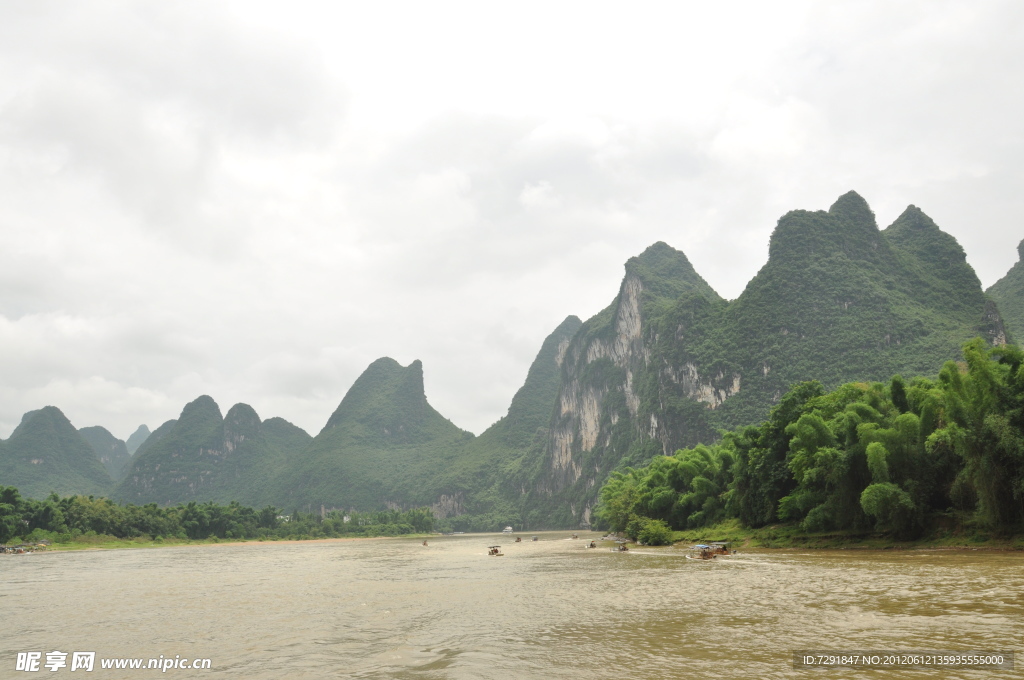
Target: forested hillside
[669,362]
[203,456]
[383,445]
[46,454]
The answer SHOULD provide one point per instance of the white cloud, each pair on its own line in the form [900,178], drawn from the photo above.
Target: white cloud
[255,200]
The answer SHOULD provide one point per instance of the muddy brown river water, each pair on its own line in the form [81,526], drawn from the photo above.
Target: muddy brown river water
[392,608]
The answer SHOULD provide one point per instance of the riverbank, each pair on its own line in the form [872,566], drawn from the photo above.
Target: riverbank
[791,536]
[101,542]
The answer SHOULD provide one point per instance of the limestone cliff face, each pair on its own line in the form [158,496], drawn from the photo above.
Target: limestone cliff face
[615,383]
[669,363]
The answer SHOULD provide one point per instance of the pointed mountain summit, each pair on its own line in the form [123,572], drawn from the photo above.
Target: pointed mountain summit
[384,445]
[137,439]
[386,402]
[1008,292]
[203,456]
[111,451]
[838,300]
[935,265]
[847,230]
[155,436]
[608,374]
[860,304]
[665,272]
[47,454]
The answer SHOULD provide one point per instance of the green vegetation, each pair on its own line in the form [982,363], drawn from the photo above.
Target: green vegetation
[669,365]
[947,531]
[838,300]
[1008,292]
[87,519]
[45,454]
[383,447]
[204,457]
[895,459]
[383,443]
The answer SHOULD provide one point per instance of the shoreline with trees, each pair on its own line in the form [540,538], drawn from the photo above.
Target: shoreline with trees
[88,521]
[924,460]
[933,463]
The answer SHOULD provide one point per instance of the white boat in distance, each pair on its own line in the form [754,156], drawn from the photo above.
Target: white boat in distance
[507,530]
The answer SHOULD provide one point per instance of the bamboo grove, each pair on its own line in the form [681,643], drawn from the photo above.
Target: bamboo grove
[900,458]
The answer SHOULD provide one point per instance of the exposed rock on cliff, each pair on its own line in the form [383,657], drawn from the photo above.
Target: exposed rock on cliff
[670,362]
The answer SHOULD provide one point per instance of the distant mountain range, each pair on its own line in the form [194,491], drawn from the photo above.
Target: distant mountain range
[667,364]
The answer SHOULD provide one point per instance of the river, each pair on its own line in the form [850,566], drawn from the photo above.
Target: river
[392,608]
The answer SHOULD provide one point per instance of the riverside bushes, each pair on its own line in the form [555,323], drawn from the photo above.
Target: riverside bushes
[885,457]
[79,517]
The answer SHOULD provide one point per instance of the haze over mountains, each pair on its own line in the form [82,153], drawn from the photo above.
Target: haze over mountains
[666,365]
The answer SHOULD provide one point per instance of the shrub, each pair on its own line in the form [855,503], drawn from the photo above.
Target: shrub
[655,532]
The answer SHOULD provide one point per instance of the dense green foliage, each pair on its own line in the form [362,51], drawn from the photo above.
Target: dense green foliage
[45,454]
[840,300]
[1008,292]
[889,457]
[65,519]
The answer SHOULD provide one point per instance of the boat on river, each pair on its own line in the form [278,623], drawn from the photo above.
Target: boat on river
[701,551]
[709,551]
[495,551]
[507,530]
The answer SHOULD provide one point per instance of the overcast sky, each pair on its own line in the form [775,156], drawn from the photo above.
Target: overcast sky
[256,200]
